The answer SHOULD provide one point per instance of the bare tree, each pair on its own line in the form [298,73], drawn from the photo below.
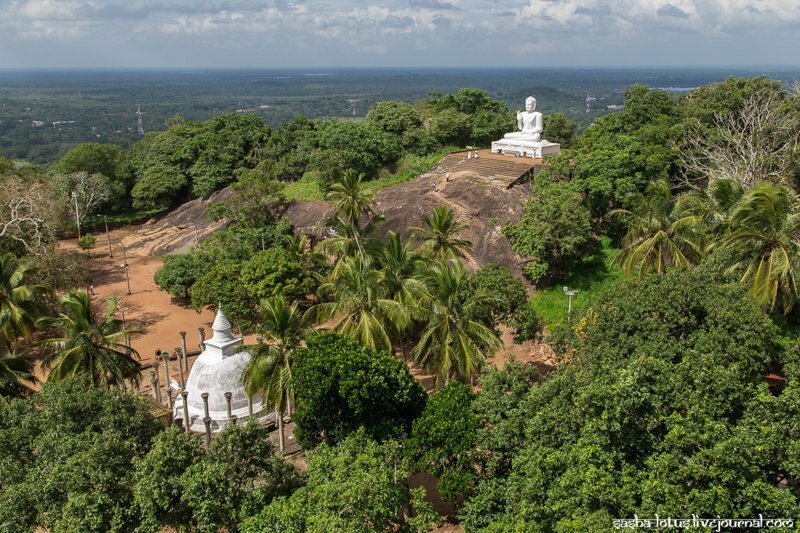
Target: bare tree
[84,192]
[755,143]
[28,214]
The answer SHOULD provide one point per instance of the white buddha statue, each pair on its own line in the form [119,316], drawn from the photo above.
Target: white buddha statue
[529,122]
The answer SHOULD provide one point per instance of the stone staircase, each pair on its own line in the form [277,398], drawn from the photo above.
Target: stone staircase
[497,169]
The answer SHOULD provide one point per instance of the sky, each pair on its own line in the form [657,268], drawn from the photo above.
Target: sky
[397,33]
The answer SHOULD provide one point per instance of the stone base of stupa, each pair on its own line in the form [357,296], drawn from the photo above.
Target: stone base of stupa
[525,148]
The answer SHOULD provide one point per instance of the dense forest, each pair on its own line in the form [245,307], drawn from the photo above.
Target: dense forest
[677,390]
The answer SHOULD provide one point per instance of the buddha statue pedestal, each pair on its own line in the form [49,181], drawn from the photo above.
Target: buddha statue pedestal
[525,147]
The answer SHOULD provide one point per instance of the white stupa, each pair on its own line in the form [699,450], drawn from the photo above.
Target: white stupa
[216,371]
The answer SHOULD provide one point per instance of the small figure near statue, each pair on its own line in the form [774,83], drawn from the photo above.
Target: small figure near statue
[528,140]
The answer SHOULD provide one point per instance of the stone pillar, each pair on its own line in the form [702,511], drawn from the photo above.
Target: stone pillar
[233,420]
[207,422]
[202,333]
[154,384]
[186,423]
[228,396]
[185,353]
[181,368]
[165,355]
[205,403]
[169,400]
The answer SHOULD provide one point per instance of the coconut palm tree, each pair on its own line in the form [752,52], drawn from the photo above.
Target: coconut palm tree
[349,198]
[348,239]
[451,344]
[269,372]
[659,235]
[439,234]
[15,371]
[400,266]
[763,244]
[91,344]
[713,205]
[20,302]
[361,304]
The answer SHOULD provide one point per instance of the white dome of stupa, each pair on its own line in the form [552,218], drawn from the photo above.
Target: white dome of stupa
[216,371]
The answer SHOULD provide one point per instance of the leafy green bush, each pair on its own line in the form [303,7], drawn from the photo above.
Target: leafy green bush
[341,385]
[180,271]
[87,242]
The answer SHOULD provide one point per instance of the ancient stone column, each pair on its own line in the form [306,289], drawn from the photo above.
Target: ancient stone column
[181,368]
[228,396]
[169,399]
[185,353]
[202,333]
[233,419]
[165,355]
[204,396]
[154,385]
[207,422]
[186,424]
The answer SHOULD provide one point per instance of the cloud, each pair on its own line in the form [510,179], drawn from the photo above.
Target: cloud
[329,29]
[669,10]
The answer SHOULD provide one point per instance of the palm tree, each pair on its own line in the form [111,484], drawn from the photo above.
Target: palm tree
[91,345]
[439,234]
[19,302]
[351,239]
[451,344]
[763,244]
[659,235]
[15,370]
[400,266]
[349,197]
[269,372]
[713,205]
[361,306]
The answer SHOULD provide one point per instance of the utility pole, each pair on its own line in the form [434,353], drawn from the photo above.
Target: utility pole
[77,216]
[139,126]
[108,237]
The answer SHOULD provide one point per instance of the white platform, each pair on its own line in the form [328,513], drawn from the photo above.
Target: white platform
[523,147]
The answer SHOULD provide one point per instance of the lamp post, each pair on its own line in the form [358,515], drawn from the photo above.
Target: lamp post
[570,294]
[77,215]
[125,266]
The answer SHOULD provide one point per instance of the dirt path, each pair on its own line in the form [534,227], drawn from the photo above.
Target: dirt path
[160,316]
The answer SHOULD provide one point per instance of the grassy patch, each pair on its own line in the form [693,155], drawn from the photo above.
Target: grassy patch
[409,167]
[305,189]
[591,277]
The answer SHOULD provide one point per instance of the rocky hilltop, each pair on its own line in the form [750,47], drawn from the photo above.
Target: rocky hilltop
[479,191]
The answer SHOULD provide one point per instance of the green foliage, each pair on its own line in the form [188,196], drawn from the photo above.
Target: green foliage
[66,455]
[180,271]
[240,476]
[443,440]
[394,117]
[508,292]
[93,158]
[157,480]
[451,127]
[554,231]
[706,103]
[275,272]
[341,385]
[341,145]
[158,187]
[558,128]
[665,375]
[87,242]
[220,286]
[357,485]
[20,300]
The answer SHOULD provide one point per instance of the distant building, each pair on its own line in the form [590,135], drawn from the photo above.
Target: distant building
[615,107]
[37,123]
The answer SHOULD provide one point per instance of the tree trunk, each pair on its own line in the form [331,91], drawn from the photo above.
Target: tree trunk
[281,439]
